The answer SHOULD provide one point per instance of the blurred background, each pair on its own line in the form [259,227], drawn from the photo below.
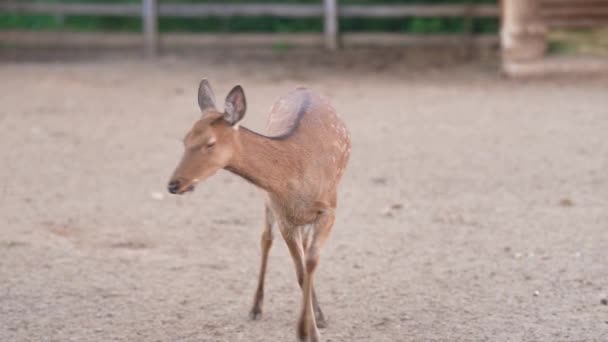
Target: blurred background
[257,23]
[557,26]
[474,206]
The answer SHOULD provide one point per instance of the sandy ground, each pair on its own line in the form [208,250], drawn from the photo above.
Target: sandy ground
[474,208]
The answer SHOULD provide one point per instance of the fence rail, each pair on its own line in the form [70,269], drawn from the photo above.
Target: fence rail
[564,14]
[230,10]
[122,10]
[150,10]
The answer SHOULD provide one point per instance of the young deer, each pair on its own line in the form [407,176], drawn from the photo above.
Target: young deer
[299,165]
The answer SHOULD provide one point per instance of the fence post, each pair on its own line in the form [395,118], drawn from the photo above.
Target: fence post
[150,26]
[468,30]
[523,34]
[330,25]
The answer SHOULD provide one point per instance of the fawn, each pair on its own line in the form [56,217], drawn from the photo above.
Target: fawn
[298,163]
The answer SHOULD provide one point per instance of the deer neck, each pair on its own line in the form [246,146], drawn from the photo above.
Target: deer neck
[261,160]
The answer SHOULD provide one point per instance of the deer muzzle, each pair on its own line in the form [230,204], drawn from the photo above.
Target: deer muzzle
[178,187]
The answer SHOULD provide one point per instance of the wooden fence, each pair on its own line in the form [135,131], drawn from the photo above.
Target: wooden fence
[330,10]
[525,28]
[566,14]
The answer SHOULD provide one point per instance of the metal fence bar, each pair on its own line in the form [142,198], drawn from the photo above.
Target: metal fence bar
[230,10]
[150,26]
[306,11]
[388,11]
[122,10]
[206,40]
[330,24]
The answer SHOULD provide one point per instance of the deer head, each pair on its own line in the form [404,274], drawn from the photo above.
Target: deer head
[210,143]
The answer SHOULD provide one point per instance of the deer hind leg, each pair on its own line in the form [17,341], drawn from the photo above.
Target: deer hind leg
[293,238]
[319,316]
[307,325]
[267,237]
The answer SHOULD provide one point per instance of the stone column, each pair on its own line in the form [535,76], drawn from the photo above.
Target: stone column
[523,34]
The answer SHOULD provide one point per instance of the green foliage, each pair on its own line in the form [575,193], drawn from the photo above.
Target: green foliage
[593,42]
[251,24]
[30,22]
[240,24]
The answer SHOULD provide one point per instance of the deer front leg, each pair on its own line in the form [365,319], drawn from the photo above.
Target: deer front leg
[307,326]
[267,237]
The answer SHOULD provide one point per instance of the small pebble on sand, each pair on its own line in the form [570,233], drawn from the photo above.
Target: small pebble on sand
[379,180]
[387,212]
[604,301]
[566,202]
[157,196]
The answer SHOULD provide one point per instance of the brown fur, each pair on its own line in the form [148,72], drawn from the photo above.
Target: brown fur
[299,165]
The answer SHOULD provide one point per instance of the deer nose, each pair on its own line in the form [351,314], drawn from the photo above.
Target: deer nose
[173,186]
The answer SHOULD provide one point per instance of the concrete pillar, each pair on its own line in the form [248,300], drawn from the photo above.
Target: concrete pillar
[523,33]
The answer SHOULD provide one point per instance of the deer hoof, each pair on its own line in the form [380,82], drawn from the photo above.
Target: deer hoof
[255,313]
[320,318]
[308,335]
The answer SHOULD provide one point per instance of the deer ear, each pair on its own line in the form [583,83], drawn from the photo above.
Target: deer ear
[235,106]
[206,100]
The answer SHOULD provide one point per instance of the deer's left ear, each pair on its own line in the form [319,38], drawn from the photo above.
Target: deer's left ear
[235,106]
[206,100]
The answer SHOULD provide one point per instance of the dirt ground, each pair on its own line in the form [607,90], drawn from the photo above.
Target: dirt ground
[474,208]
